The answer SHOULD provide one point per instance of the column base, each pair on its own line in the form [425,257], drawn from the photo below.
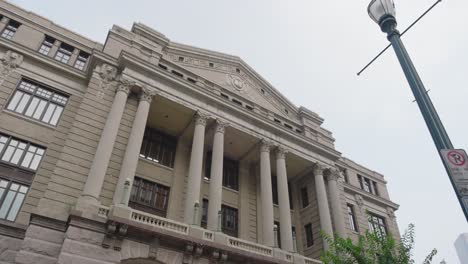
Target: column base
[87,207]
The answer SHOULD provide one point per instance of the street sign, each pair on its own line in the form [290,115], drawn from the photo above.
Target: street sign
[456,161]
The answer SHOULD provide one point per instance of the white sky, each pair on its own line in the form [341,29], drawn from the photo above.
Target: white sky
[310,51]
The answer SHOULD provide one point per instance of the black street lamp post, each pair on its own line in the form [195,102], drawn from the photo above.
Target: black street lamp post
[383,13]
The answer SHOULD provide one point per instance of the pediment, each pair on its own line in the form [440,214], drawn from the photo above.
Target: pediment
[238,80]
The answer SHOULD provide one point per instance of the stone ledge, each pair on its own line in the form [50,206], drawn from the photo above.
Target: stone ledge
[12,229]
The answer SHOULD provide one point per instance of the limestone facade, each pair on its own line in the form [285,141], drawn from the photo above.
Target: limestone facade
[143,150]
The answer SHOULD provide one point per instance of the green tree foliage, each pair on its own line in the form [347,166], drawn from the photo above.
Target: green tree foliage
[372,248]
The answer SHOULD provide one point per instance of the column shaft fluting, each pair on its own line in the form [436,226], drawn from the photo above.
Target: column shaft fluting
[216,177]
[337,213]
[266,195]
[283,202]
[132,152]
[195,168]
[97,172]
[322,200]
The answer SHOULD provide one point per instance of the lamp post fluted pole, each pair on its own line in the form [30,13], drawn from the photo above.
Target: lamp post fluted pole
[440,137]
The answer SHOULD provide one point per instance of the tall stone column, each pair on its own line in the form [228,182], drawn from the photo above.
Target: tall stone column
[266,195]
[216,176]
[195,167]
[95,180]
[337,212]
[132,152]
[283,201]
[322,200]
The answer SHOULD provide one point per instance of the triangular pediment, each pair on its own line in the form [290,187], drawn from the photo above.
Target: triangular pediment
[232,74]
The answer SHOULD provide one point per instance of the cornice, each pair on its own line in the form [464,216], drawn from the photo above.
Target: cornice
[373,198]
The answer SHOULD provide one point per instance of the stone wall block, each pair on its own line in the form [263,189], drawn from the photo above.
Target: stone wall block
[25,257]
[41,247]
[72,259]
[45,234]
[84,235]
[95,252]
[131,249]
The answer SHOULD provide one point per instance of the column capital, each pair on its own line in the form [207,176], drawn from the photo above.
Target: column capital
[200,118]
[265,145]
[334,174]
[147,94]
[125,85]
[220,125]
[318,169]
[281,152]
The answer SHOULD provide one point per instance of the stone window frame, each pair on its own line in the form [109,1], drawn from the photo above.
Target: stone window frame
[81,60]
[15,174]
[46,45]
[10,30]
[377,224]
[30,96]
[64,53]
[352,218]
[368,185]
[156,196]
[158,147]
[309,235]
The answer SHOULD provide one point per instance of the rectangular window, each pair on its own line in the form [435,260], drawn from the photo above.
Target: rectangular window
[352,218]
[10,29]
[46,45]
[274,191]
[158,147]
[20,153]
[377,225]
[345,175]
[12,195]
[368,185]
[309,235]
[149,197]
[80,62]
[375,189]
[304,197]
[64,53]
[230,171]
[229,218]
[35,101]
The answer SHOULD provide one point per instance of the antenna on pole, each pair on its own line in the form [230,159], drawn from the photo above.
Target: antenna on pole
[408,28]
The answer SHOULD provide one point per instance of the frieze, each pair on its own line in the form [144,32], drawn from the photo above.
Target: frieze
[8,63]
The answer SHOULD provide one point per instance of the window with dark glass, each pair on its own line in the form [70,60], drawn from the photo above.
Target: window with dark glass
[345,175]
[309,235]
[304,197]
[46,45]
[229,218]
[230,171]
[18,162]
[149,197]
[377,225]
[352,218]
[81,60]
[368,185]
[10,29]
[158,147]
[35,101]
[375,189]
[64,53]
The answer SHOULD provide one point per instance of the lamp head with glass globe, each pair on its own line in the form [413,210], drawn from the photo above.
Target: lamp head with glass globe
[383,13]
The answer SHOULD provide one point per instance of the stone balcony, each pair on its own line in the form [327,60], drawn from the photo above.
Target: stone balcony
[197,239]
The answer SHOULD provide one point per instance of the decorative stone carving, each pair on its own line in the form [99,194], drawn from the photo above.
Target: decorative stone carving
[187,259]
[236,82]
[109,237]
[115,233]
[108,77]
[265,145]
[334,174]
[281,152]
[318,169]
[221,126]
[200,118]
[8,63]
[391,212]
[359,200]
[147,94]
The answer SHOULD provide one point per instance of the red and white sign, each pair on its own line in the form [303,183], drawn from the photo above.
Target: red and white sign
[457,161]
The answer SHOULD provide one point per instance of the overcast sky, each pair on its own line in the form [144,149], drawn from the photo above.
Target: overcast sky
[310,51]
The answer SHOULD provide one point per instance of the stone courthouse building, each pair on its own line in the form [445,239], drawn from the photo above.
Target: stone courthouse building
[143,150]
